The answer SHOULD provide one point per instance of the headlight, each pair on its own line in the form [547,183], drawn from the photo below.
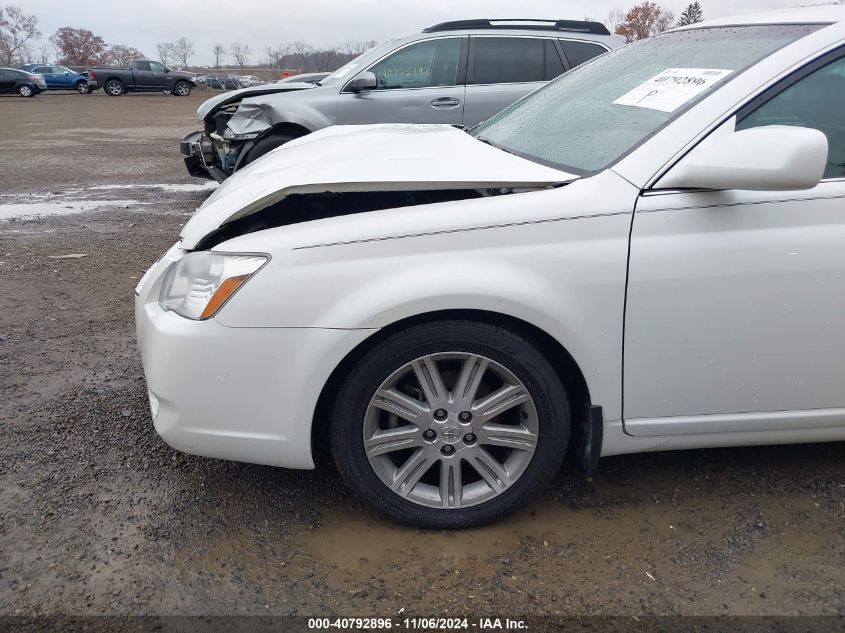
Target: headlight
[198,285]
[229,134]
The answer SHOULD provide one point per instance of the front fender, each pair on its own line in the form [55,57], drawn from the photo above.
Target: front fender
[565,277]
[254,115]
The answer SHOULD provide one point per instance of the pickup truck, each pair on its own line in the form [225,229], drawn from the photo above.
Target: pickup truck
[143,75]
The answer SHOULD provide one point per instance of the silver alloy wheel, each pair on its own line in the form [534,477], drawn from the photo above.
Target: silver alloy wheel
[182,89]
[82,88]
[115,88]
[450,430]
[25,91]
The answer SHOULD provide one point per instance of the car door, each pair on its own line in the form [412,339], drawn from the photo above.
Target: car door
[51,76]
[63,77]
[161,77]
[422,82]
[149,76]
[735,304]
[7,81]
[505,69]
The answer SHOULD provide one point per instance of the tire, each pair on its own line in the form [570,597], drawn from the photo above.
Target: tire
[26,91]
[504,363]
[263,146]
[114,88]
[82,87]
[182,89]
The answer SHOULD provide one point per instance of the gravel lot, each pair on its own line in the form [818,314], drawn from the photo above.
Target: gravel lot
[99,516]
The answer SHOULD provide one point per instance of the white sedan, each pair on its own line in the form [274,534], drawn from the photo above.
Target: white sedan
[647,254]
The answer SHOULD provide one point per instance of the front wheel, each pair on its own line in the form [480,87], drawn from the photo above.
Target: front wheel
[264,146]
[114,88]
[450,424]
[82,87]
[182,89]
[26,91]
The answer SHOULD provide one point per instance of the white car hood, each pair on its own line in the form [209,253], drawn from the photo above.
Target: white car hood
[359,158]
[209,105]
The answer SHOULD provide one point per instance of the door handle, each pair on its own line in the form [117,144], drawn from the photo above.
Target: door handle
[445,102]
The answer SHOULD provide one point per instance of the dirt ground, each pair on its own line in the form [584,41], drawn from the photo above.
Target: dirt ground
[99,516]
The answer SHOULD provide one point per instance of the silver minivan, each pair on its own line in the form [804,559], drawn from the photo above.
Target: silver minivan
[457,73]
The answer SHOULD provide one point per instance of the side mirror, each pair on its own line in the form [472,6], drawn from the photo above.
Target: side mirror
[363,82]
[769,158]
[67,73]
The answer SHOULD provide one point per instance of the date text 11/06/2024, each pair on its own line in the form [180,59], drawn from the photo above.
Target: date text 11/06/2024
[420,623]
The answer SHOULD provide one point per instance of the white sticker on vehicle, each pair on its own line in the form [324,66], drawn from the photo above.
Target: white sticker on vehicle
[671,88]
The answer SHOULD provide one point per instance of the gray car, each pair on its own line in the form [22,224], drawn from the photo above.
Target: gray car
[457,73]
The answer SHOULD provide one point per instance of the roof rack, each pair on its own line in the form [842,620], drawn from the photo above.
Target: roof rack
[579,26]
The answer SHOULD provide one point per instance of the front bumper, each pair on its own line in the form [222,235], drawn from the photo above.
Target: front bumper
[198,150]
[244,394]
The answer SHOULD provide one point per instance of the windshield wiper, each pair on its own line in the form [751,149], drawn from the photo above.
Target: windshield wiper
[487,141]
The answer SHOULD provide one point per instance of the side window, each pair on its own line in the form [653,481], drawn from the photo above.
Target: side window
[143,66]
[816,101]
[156,67]
[508,60]
[580,52]
[553,66]
[42,70]
[423,65]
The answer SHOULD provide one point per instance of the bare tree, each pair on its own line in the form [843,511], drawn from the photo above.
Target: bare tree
[274,56]
[218,51]
[16,30]
[615,18]
[241,53]
[164,50]
[325,59]
[665,20]
[44,52]
[183,50]
[301,51]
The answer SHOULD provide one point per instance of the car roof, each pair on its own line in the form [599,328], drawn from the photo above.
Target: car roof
[800,15]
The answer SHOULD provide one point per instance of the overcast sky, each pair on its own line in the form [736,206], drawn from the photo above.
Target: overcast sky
[142,23]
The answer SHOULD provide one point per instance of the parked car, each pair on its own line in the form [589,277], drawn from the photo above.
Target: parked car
[247,81]
[455,72]
[59,78]
[222,82]
[143,75]
[644,255]
[312,78]
[14,81]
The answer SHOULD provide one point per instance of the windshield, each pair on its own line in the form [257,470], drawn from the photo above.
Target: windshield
[590,117]
[350,68]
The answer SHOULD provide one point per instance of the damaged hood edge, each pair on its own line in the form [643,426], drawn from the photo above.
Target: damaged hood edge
[377,158]
[215,103]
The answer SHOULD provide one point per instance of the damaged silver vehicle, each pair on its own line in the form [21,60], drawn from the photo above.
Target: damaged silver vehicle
[457,73]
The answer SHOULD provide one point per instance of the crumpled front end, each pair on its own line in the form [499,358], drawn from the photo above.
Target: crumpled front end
[231,124]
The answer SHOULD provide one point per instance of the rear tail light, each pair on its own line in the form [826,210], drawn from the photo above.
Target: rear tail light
[35,78]
[91,74]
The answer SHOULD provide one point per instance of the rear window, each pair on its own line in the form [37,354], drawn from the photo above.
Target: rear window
[580,52]
[502,60]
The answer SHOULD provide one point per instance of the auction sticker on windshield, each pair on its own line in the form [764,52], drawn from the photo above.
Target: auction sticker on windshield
[671,88]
